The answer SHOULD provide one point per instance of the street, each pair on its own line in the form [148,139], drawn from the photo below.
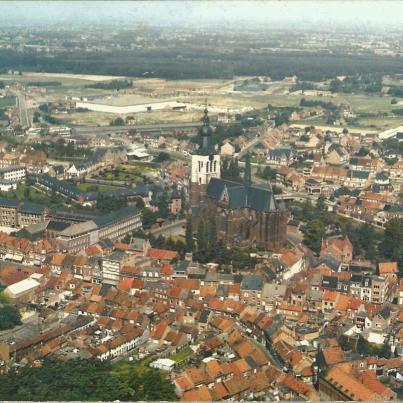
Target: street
[22,110]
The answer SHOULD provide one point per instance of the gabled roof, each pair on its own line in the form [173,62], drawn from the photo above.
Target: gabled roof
[387,268]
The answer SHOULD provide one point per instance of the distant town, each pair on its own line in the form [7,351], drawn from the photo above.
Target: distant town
[200,239]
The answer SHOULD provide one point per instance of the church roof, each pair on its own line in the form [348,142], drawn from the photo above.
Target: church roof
[237,195]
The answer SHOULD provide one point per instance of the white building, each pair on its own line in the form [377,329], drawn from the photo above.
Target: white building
[22,288]
[122,345]
[205,162]
[13,173]
[99,107]
[165,364]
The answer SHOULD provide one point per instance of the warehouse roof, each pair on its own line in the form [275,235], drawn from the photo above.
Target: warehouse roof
[21,287]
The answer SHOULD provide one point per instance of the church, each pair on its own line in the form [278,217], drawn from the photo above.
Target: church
[246,214]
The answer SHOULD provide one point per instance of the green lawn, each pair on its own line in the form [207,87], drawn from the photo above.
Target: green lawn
[136,168]
[94,187]
[125,367]
[129,172]
[182,355]
[7,101]
[119,176]
[34,196]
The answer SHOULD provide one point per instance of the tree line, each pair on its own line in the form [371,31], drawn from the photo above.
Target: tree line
[85,380]
[197,62]
[312,103]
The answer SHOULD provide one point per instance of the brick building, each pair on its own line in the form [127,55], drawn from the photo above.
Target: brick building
[245,213]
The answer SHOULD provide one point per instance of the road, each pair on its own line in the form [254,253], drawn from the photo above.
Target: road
[252,143]
[94,130]
[172,229]
[22,110]
[294,239]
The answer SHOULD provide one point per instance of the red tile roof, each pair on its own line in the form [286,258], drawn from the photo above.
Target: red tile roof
[161,254]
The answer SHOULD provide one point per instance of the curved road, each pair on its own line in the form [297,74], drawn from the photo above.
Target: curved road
[174,228]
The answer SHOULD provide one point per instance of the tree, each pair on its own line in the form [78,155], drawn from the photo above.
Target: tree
[365,348]
[268,173]
[140,203]
[163,205]
[117,122]
[362,152]
[9,317]
[36,117]
[149,217]
[201,237]
[88,380]
[184,202]
[106,204]
[162,156]
[27,192]
[315,232]
[391,246]
[44,108]
[320,204]
[189,235]
[212,236]
[4,299]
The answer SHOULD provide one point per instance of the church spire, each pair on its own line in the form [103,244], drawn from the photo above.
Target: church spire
[247,179]
[206,143]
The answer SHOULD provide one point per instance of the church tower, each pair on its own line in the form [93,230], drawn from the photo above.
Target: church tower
[205,165]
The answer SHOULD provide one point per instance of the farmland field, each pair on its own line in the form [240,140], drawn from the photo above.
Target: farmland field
[218,94]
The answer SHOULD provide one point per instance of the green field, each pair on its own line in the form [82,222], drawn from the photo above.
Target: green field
[182,355]
[217,92]
[7,101]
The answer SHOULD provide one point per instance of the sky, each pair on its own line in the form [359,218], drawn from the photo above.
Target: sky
[320,14]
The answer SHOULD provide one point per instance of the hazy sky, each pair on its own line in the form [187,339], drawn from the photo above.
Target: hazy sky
[292,14]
